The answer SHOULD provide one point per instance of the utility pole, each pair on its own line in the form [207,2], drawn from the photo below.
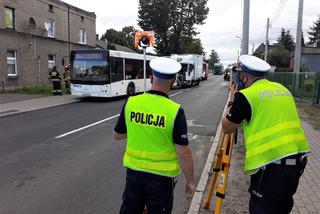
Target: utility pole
[245,27]
[252,52]
[267,42]
[297,52]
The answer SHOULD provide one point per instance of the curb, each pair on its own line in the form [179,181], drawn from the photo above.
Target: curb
[197,197]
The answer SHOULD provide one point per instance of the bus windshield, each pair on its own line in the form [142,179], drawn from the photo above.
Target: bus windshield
[88,69]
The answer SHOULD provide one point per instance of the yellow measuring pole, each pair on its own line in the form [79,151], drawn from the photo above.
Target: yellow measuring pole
[216,169]
[223,174]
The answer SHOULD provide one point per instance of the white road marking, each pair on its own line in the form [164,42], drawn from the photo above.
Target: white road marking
[179,92]
[88,126]
[101,121]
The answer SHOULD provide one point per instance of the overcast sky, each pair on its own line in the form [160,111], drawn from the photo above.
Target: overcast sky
[223,24]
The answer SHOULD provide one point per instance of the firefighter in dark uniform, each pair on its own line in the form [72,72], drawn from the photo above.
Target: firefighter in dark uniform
[66,77]
[275,143]
[54,75]
[157,144]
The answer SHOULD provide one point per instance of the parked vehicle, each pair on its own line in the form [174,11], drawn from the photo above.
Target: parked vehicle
[191,71]
[205,71]
[217,69]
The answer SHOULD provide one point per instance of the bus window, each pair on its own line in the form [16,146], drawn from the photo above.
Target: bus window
[133,69]
[116,69]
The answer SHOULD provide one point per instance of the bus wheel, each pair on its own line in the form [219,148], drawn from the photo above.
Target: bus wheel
[130,89]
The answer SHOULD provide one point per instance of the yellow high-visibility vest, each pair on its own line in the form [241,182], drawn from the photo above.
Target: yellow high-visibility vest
[150,148]
[274,130]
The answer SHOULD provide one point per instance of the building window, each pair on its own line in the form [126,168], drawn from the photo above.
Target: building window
[50,26]
[9,21]
[12,63]
[51,61]
[82,19]
[50,7]
[83,36]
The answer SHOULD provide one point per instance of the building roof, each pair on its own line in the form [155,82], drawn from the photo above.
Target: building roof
[101,44]
[123,48]
[306,50]
[261,48]
[90,14]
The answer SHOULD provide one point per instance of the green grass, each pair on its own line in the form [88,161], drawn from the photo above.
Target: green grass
[36,90]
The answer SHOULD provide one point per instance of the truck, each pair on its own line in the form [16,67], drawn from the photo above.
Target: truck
[217,69]
[191,71]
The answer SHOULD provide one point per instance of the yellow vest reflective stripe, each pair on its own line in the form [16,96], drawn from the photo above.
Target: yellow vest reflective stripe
[150,147]
[155,156]
[274,130]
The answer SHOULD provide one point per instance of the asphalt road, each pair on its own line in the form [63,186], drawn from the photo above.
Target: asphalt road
[82,172]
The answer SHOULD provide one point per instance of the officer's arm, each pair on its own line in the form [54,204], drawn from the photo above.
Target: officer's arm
[238,111]
[118,136]
[228,126]
[186,162]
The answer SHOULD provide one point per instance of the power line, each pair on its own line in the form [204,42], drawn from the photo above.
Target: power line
[279,11]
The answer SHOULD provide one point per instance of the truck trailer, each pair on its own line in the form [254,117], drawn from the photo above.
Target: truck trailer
[191,71]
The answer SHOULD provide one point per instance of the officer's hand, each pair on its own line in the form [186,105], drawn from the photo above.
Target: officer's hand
[233,90]
[190,188]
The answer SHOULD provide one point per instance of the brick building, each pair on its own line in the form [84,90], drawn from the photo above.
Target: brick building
[35,35]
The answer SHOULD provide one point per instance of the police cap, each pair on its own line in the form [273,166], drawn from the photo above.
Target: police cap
[165,68]
[254,65]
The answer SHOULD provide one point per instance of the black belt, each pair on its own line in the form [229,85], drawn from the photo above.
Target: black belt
[292,160]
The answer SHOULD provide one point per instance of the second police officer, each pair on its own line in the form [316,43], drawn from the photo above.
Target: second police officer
[157,144]
[275,143]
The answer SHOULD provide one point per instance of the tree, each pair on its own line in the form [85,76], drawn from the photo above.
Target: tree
[173,21]
[192,46]
[214,58]
[115,37]
[314,38]
[279,56]
[125,37]
[303,43]
[286,40]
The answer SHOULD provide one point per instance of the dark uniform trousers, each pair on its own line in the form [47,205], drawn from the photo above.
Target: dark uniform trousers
[273,186]
[146,189]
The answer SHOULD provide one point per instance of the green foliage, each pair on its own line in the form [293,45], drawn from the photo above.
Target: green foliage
[192,46]
[286,40]
[174,22]
[279,56]
[214,58]
[125,37]
[314,38]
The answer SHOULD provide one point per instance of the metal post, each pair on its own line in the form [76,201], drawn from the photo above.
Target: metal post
[267,42]
[297,52]
[144,69]
[245,28]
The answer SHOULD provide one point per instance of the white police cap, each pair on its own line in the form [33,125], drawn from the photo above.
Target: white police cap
[165,68]
[254,65]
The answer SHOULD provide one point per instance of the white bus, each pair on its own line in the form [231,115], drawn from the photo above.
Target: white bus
[107,73]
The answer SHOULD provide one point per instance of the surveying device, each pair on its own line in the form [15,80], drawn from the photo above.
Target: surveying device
[221,168]
[144,39]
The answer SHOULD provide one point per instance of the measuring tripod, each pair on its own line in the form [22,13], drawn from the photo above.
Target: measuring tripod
[221,168]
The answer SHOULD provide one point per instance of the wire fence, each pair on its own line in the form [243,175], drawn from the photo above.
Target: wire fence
[304,85]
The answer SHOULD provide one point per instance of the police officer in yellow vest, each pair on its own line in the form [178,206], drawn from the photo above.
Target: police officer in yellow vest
[157,144]
[275,143]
